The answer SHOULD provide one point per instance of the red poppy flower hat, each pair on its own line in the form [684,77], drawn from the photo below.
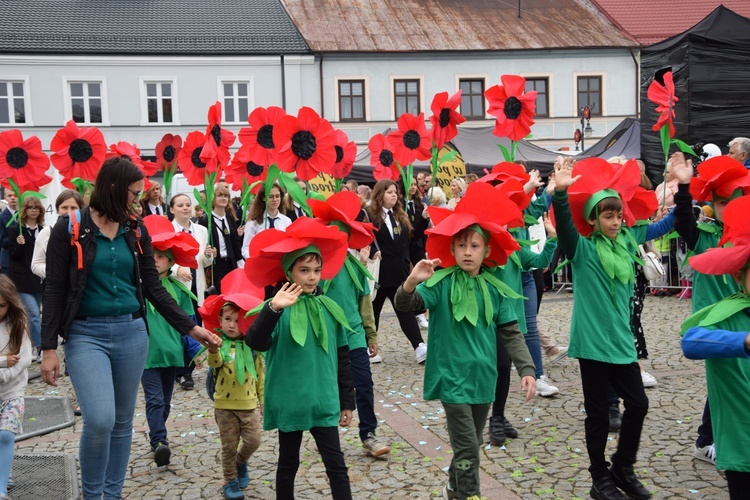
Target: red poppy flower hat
[480,206]
[272,252]
[730,258]
[720,177]
[181,246]
[601,179]
[239,291]
[341,210]
[506,170]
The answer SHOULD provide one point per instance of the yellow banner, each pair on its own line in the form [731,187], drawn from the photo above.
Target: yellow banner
[455,167]
[324,184]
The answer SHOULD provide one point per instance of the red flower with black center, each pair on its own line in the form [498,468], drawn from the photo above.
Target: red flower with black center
[242,167]
[131,152]
[661,93]
[167,149]
[305,144]
[22,161]
[215,153]
[78,152]
[259,137]
[189,159]
[445,118]
[513,109]
[346,153]
[411,141]
[381,157]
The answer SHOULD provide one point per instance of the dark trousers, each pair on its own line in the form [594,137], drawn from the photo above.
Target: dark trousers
[407,320]
[705,432]
[362,376]
[158,384]
[221,268]
[465,429]
[327,440]
[503,380]
[596,377]
[739,484]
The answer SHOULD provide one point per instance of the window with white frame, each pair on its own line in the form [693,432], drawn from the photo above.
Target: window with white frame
[236,101]
[159,101]
[86,101]
[590,93]
[12,102]
[407,96]
[351,100]
[541,85]
[472,98]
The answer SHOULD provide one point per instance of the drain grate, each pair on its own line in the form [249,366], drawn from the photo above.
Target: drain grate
[51,476]
[46,414]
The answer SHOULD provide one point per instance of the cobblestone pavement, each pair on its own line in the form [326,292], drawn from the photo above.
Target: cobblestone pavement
[548,460]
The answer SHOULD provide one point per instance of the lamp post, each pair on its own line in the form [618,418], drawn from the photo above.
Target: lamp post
[585,131]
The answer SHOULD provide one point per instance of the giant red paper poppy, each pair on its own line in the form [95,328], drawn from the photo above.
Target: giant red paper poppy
[238,290]
[215,152]
[661,93]
[23,161]
[259,137]
[721,175]
[445,118]
[381,157]
[480,205]
[513,109]
[346,153]
[504,171]
[344,207]
[515,192]
[305,144]
[167,149]
[727,259]
[189,159]
[131,152]
[78,152]
[164,238]
[268,247]
[242,168]
[411,141]
[598,174]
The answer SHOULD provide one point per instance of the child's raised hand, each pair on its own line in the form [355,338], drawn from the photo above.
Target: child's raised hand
[535,181]
[424,270]
[681,168]
[286,296]
[528,384]
[564,173]
[550,183]
[551,231]
[346,418]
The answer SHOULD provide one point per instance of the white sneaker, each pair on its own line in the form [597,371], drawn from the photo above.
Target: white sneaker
[706,453]
[376,359]
[648,379]
[423,323]
[562,351]
[421,353]
[545,388]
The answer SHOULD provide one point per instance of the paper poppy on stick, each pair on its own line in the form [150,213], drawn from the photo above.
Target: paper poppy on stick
[167,149]
[243,171]
[305,144]
[215,152]
[719,176]
[411,141]
[344,207]
[512,107]
[381,157]
[131,152]
[346,153]
[23,161]
[189,159]
[445,118]
[259,137]
[164,238]
[268,248]
[661,93]
[480,205]
[728,259]
[78,152]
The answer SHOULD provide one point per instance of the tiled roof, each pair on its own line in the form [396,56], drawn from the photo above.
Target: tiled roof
[651,21]
[452,25]
[179,27]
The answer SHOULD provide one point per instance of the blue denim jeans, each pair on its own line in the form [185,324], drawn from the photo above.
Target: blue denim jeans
[362,376]
[105,357]
[532,332]
[31,302]
[158,384]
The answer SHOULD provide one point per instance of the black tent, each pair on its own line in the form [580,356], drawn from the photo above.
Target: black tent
[479,150]
[711,67]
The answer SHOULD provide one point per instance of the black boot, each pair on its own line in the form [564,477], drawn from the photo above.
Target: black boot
[625,479]
[510,431]
[187,381]
[603,488]
[497,431]
[615,419]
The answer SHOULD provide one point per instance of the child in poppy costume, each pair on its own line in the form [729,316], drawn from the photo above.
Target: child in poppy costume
[603,196]
[468,312]
[350,290]
[165,348]
[719,180]
[719,334]
[238,376]
[308,374]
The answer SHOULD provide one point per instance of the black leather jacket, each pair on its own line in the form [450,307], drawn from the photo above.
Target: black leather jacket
[64,285]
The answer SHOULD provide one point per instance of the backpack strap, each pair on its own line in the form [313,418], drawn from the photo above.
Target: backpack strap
[137,231]
[74,229]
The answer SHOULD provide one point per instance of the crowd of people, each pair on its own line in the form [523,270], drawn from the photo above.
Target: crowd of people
[138,290]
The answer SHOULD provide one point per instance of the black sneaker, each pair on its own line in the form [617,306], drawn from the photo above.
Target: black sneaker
[604,488]
[625,479]
[615,418]
[510,431]
[497,431]
[187,381]
[162,453]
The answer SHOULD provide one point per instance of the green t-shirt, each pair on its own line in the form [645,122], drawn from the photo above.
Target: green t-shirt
[301,389]
[708,288]
[344,292]
[164,342]
[462,365]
